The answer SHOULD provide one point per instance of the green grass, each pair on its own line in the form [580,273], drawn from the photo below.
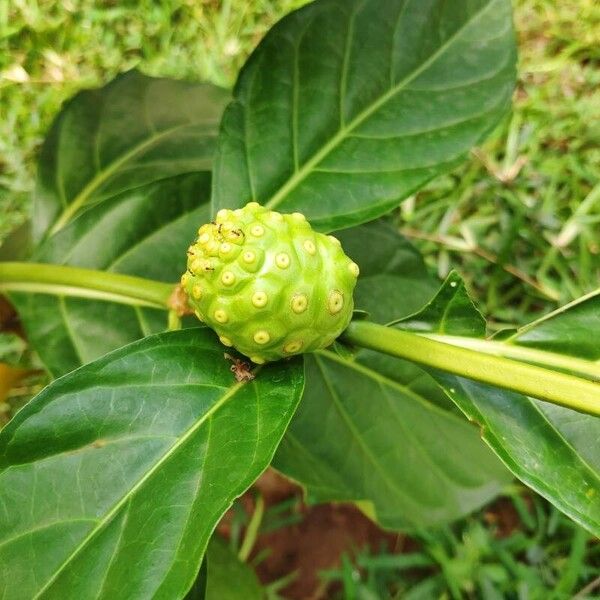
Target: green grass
[520,548]
[49,50]
[545,556]
[521,219]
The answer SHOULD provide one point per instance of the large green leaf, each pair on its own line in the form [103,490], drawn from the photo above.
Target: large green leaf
[112,479]
[123,185]
[552,449]
[133,131]
[377,429]
[144,232]
[348,106]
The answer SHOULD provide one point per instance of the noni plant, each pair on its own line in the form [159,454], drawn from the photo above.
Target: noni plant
[114,477]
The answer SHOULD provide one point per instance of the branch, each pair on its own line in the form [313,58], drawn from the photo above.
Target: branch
[40,278]
[552,386]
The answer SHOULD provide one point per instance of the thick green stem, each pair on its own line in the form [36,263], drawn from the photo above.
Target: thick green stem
[83,283]
[542,358]
[480,361]
[566,390]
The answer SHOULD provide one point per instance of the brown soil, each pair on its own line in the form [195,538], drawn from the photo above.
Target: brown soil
[322,534]
[315,543]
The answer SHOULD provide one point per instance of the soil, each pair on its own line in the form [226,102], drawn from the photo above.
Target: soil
[315,543]
[320,535]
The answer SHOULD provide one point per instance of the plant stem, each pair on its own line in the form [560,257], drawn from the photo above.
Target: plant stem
[542,358]
[566,390]
[480,362]
[83,283]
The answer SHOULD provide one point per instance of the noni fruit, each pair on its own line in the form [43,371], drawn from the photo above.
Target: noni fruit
[268,284]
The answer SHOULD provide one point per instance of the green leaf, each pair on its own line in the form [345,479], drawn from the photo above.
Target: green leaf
[363,435]
[343,126]
[144,232]
[566,331]
[391,264]
[377,429]
[113,478]
[552,449]
[131,132]
[227,578]
[123,185]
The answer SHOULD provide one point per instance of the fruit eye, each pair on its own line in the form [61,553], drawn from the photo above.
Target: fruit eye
[282,260]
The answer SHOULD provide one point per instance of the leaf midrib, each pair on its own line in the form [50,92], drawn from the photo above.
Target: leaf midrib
[100,177]
[132,491]
[304,171]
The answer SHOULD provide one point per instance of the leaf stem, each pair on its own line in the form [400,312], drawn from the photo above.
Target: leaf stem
[559,388]
[41,278]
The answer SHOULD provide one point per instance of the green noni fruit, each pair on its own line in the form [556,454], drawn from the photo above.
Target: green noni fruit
[268,284]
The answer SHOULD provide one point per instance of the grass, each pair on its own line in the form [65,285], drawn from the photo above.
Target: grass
[544,556]
[49,50]
[520,219]
[520,547]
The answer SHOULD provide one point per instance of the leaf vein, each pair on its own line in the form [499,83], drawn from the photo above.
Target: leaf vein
[309,165]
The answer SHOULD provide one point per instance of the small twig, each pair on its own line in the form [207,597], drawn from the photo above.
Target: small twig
[252,530]
[590,587]
[506,175]
[456,246]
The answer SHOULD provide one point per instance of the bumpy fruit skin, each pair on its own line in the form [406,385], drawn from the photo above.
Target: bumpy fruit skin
[268,284]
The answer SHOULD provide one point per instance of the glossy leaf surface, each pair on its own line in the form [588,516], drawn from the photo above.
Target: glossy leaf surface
[134,131]
[113,478]
[142,232]
[378,429]
[388,264]
[342,126]
[123,185]
[552,449]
